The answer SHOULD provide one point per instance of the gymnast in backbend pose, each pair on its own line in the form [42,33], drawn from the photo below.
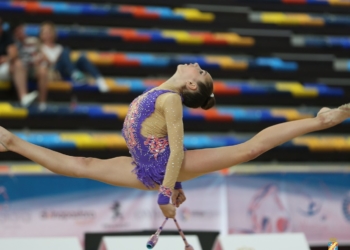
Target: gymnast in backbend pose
[153,131]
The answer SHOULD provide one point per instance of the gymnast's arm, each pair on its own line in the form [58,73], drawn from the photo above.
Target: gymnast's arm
[172,109]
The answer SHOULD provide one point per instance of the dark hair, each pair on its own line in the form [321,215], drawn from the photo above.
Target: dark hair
[17,24]
[200,98]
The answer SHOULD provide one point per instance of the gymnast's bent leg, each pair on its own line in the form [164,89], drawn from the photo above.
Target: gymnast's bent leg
[203,161]
[116,171]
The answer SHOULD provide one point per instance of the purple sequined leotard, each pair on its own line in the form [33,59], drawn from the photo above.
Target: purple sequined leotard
[150,154]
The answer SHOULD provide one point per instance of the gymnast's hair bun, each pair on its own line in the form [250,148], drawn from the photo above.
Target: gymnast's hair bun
[209,103]
[201,98]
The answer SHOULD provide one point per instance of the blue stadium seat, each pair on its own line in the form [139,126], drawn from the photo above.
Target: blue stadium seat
[274,63]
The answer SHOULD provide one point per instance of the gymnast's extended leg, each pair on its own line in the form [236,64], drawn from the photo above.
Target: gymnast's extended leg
[116,171]
[203,161]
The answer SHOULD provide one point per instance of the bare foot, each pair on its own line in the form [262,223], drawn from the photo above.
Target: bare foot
[331,117]
[5,137]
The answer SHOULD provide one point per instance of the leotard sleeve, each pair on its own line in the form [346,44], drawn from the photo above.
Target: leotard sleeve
[172,108]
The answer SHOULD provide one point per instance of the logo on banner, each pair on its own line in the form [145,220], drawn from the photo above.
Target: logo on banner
[187,214]
[116,207]
[310,207]
[68,214]
[117,218]
[346,207]
[311,195]
[267,211]
[333,244]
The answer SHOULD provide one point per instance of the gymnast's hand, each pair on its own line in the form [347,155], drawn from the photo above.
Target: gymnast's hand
[168,210]
[178,197]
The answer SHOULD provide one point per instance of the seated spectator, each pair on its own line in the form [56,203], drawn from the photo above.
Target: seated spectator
[34,61]
[59,58]
[12,67]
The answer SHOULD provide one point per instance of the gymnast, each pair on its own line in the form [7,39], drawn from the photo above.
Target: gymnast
[153,131]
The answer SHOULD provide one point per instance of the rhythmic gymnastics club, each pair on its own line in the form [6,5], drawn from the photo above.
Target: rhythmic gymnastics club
[154,238]
[187,246]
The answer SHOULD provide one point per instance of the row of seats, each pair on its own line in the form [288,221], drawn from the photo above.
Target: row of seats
[102,141]
[227,88]
[281,18]
[311,2]
[251,168]
[115,112]
[183,37]
[167,60]
[295,89]
[148,35]
[28,168]
[168,13]
[33,168]
[119,111]
[342,65]
[321,42]
[140,12]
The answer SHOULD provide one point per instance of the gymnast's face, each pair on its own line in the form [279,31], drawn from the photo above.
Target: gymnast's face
[192,74]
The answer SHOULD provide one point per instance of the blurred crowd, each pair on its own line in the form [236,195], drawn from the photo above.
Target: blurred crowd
[42,60]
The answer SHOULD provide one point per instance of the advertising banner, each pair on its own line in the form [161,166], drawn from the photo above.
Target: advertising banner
[316,204]
[50,205]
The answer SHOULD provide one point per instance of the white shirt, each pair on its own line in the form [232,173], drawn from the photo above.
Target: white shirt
[52,53]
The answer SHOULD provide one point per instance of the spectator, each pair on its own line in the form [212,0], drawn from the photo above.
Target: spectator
[12,67]
[59,58]
[34,61]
